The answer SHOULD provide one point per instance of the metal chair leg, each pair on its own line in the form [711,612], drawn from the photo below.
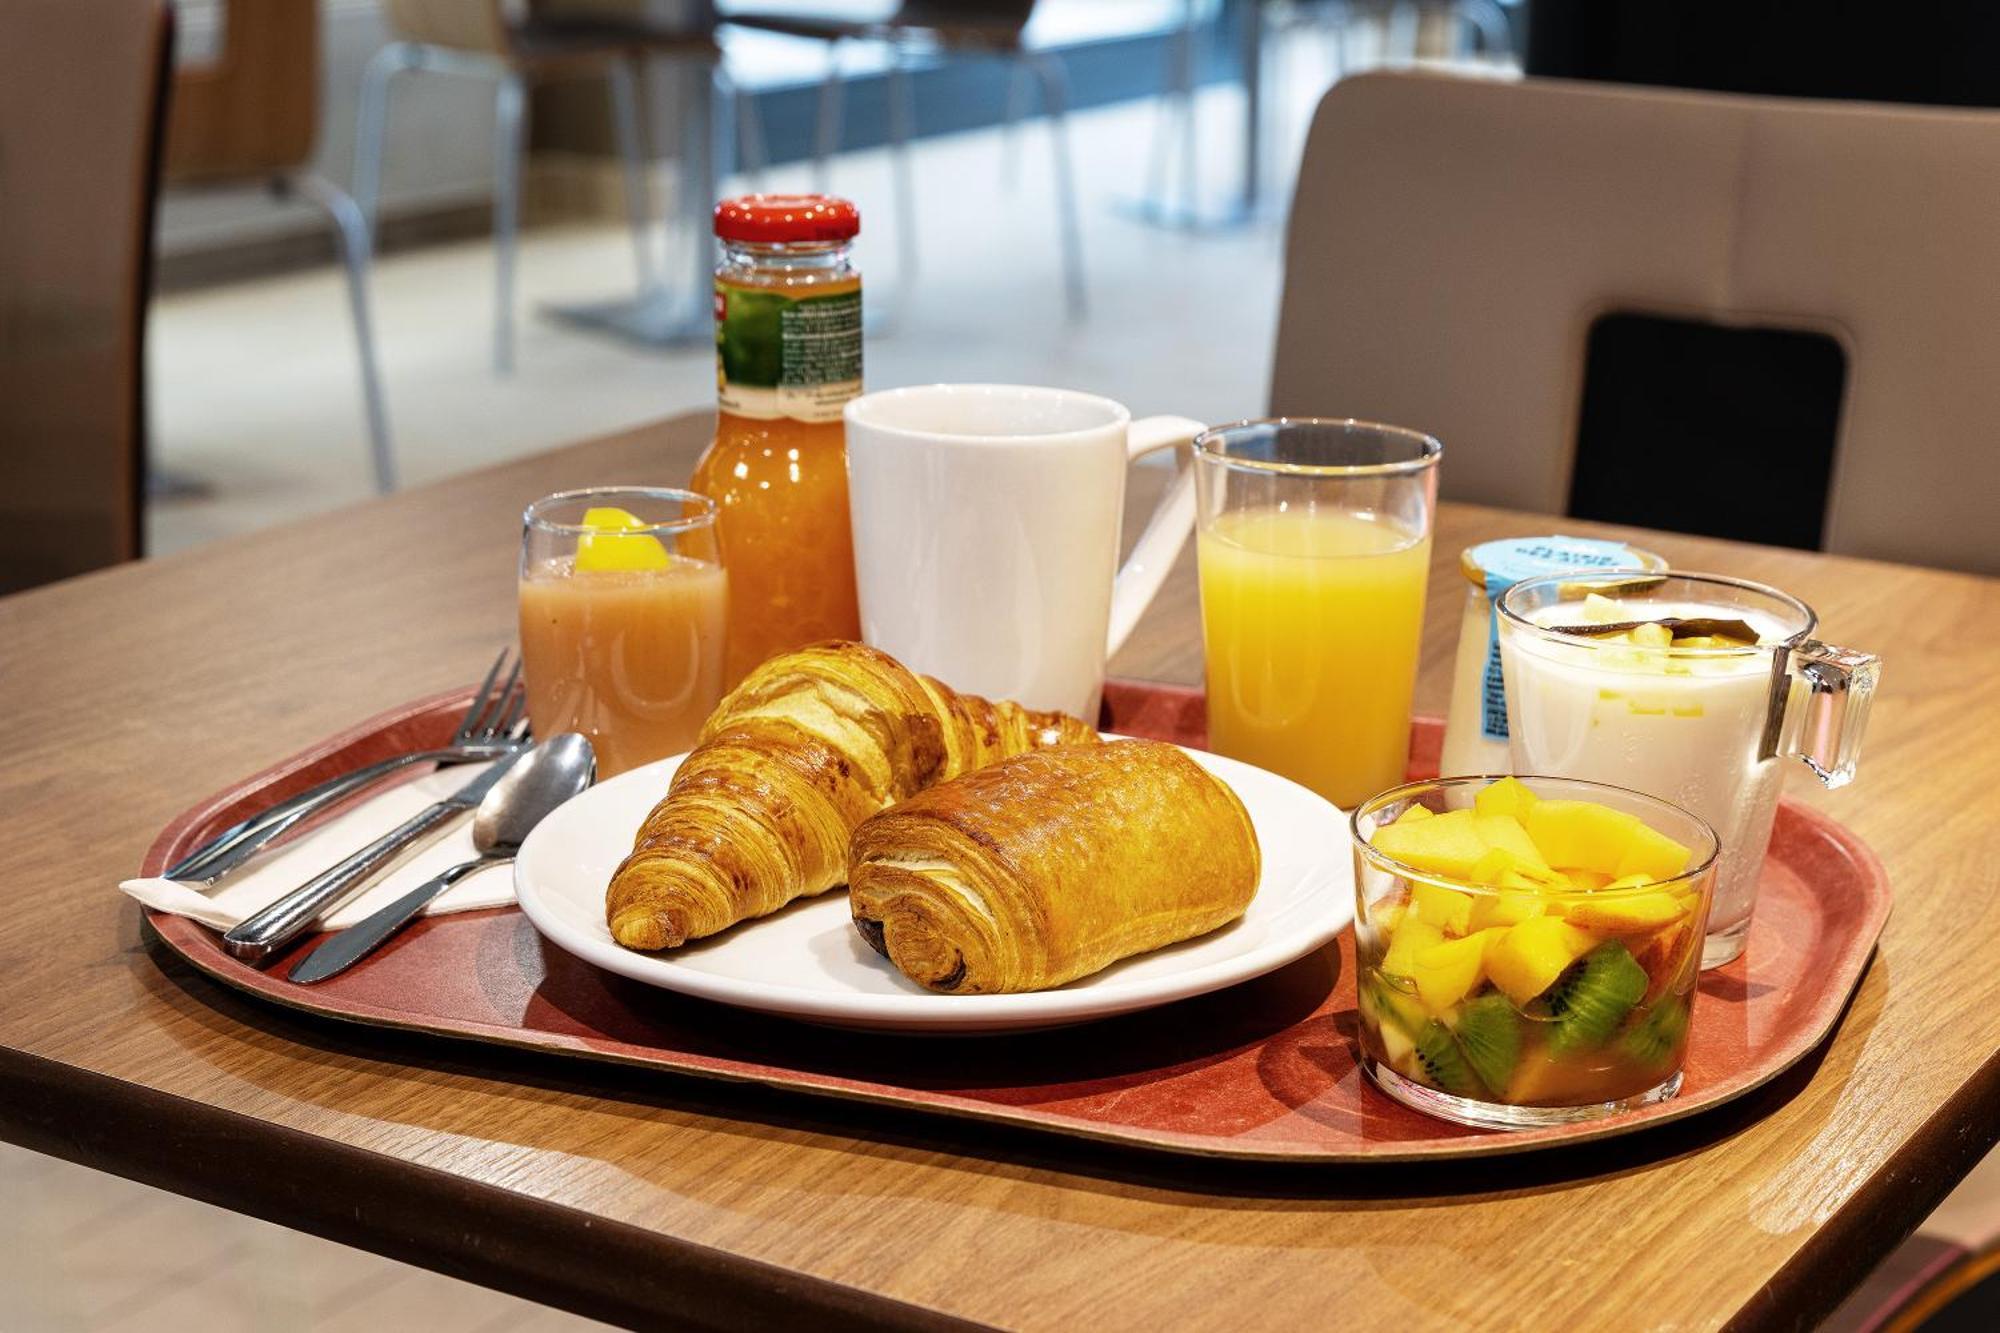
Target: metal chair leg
[621,79]
[371,125]
[699,174]
[902,127]
[752,150]
[350,229]
[826,136]
[1055,100]
[1020,82]
[510,115]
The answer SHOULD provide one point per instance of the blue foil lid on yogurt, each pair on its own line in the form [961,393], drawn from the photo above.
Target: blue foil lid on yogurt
[1499,565]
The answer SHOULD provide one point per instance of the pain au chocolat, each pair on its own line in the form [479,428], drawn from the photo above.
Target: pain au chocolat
[1047,867]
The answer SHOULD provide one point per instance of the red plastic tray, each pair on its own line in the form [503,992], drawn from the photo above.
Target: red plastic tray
[1264,1070]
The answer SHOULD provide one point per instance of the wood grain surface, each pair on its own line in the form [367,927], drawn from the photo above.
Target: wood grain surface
[644,1199]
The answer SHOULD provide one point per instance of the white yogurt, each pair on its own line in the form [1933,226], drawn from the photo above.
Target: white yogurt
[1684,725]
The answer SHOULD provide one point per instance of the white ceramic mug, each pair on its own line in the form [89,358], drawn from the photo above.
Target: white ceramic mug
[986,527]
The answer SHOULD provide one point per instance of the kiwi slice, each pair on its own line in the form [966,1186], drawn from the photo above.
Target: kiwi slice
[1489,1033]
[1591,999]
[1655,1036]
[1442,1063]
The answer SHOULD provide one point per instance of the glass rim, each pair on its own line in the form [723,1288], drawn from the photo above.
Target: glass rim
[1429,448]
[1403,870]
[1808,616]
[532,518]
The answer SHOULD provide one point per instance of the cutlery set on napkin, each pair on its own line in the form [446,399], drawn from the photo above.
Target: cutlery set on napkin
[370,869]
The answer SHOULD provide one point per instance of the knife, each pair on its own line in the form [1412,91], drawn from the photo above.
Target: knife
[350,946]
[265,932]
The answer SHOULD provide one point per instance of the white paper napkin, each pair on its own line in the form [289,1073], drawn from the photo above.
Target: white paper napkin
[273,873]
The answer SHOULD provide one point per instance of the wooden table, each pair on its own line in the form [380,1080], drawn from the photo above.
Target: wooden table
[642,1198]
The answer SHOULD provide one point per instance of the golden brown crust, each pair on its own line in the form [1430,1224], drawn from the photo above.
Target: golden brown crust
[808,746]
[1032,872]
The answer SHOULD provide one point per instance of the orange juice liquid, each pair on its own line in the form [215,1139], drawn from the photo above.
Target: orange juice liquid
[633,659]
[781,485]
[1312,621]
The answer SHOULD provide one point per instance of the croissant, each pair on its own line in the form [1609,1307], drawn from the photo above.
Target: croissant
[808,746]
[1033,872]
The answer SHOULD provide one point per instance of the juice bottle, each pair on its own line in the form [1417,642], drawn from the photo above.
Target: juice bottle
[787,359]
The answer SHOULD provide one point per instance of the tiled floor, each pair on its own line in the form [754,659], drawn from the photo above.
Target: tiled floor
[254,394]
[80,1250]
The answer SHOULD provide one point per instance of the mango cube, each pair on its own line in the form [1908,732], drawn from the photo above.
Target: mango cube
[1447,909]
[1508,796]
[1579,878]
[1507,909]
[1506,833]
[1446,973]
[1412,937]
[1601,610]
[1448,844]
[1413,814]
[1498,861]
[1528,958]
[1624,913]
[613,544]
[1581,833]
[1652,855]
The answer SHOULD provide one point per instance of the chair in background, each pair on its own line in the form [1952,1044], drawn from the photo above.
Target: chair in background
[1265,41]
[480,39]
[252,116]
[963,28]
[1454,241]
[82,98]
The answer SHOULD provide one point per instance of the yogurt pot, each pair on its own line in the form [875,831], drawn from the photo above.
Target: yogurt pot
[1688,687]
[1475,730]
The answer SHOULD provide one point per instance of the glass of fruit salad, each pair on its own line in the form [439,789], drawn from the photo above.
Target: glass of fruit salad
[1527,948]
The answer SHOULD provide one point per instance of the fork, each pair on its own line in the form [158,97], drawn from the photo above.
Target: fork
[493,726]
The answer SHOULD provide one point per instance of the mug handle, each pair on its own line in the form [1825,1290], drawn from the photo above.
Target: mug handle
[1143,572]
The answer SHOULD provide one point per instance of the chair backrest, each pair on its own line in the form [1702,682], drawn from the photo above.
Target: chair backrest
[1453,240]
[468,25]
[82,99]
[254,110]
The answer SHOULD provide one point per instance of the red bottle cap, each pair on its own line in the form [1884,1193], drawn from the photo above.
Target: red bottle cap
[777,218]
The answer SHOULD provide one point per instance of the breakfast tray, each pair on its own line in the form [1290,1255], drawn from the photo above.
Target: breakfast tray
[1264,1070]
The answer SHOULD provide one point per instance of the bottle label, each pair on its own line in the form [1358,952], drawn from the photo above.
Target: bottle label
[781,355]
[1506,562]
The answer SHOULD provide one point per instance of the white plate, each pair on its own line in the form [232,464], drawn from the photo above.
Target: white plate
[807,961]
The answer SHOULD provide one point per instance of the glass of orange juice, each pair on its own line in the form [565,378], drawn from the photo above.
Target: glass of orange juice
[1315,544]
[624,618]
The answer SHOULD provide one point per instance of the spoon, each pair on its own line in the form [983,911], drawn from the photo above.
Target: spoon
[540,780]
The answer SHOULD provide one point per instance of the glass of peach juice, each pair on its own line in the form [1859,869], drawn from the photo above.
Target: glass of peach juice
[624,617]
[1526,949]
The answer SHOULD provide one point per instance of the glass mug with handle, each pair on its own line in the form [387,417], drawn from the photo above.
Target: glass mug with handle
[986,528]
[1691,713]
